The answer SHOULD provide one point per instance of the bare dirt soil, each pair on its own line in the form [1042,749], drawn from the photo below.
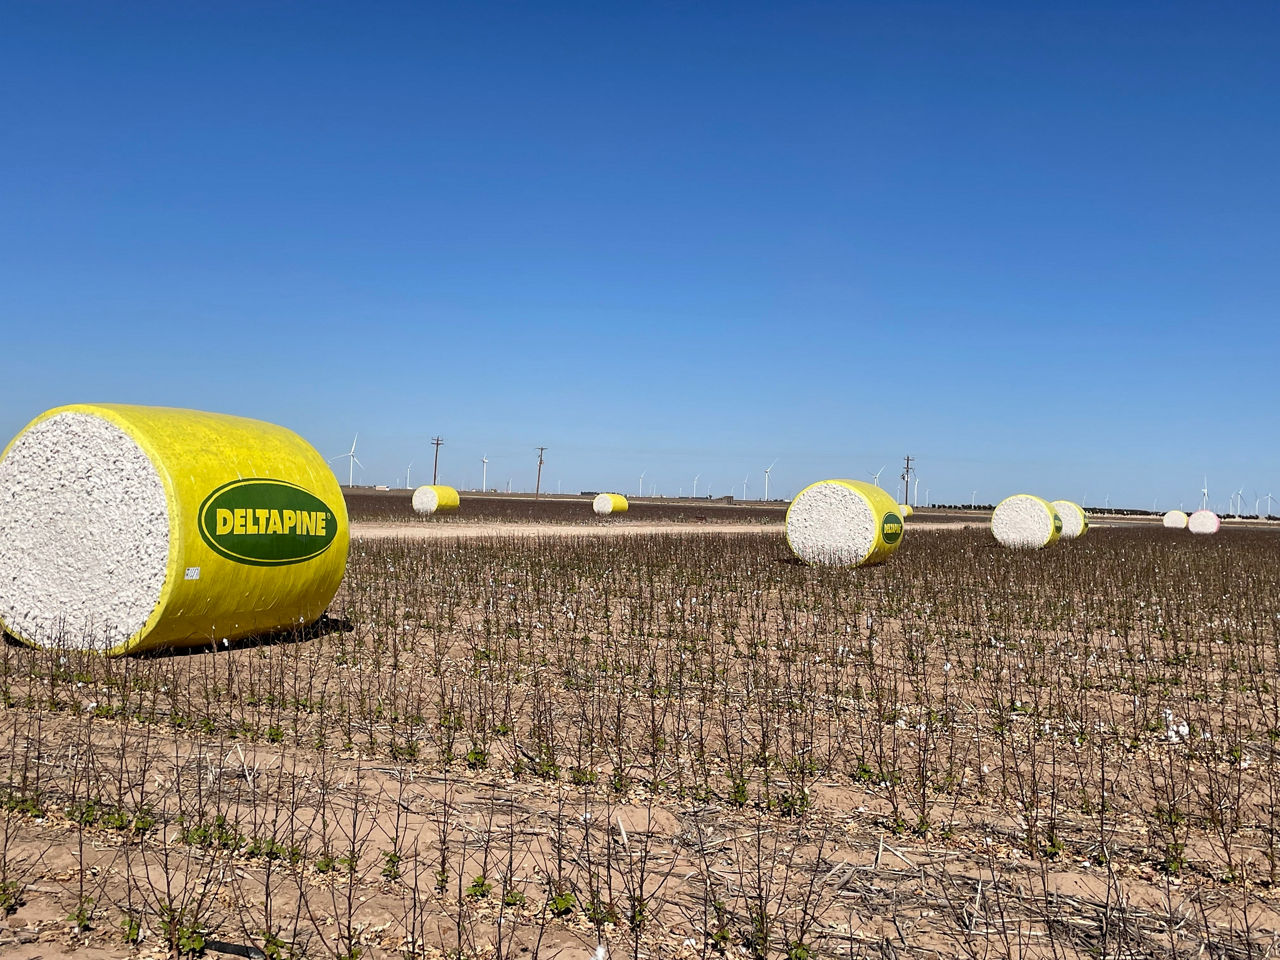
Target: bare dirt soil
[674,746]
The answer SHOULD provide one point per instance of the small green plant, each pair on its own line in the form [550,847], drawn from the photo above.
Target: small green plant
[82,916]
[10,897]
[562,904]
[131,928]
[480,887]
[511,897]
[477,758]
[390,865]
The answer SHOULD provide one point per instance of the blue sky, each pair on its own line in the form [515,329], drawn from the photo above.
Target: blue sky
[1036,249]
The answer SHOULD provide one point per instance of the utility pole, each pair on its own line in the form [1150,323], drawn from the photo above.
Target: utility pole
[906,480]
[435,469]
[538,486]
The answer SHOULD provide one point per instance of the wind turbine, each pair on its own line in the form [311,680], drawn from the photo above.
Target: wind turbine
[1240,502]
[766,481]
[484,473]
[917,496]
[875,477]
[1204,494]
[406,474]
[1268,504]
[973,502]
[695,485]
[744,487]
[642,473]
[352,460]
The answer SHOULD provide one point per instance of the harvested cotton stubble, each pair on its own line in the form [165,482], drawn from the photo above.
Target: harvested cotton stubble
[1175,520]
[1203,521]
[607,503]
[843,522]
[1025,522]
[1074,522]
[127,528]
[435,498]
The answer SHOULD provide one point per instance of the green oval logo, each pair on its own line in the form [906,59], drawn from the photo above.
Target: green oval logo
[1057,523]
[266,523]
[891,528]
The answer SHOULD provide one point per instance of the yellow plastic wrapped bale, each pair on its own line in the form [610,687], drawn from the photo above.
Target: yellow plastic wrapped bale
[844,523]
[1025,522]
[129,528]
[1075,523]
[606,503]
[906,510]
[435,498]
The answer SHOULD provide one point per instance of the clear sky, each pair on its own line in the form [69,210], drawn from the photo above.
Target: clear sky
[1038,249]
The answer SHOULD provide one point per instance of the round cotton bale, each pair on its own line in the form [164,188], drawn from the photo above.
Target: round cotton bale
[435,498]
[1175,520]
[1074,522]
[607,503]
[844,523]
[1025,522]
[127,528]
[1203,521]
[905,510]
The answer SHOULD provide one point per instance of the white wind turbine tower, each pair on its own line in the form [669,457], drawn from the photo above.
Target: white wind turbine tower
[916,498]
[744,487]
[1268,504]
[352,460]
[484,473]
[406,474]
[1240,502]
[695,485]
[1204,494]
[875,477]
[642,473]
[766,481]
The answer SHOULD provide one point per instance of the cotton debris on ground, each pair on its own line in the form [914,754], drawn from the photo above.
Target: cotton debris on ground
[1025,522]
[1175,520]
[606,503]
[435,498]
[1204,521]
[1074,522]
[843,522]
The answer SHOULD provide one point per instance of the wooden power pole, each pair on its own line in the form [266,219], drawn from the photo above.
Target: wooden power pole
[435,469]
[537,487]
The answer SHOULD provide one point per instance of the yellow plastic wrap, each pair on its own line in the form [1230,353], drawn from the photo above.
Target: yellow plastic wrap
[906,510]
[886,518]
[258,532]
[435,498]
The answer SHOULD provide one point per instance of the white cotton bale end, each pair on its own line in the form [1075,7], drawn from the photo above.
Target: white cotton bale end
[606,503]
[1025,522]
[1074,522]
[127,528]
[1175,520]
[906,510]
[1203,521]
[843,523]
[435,498]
